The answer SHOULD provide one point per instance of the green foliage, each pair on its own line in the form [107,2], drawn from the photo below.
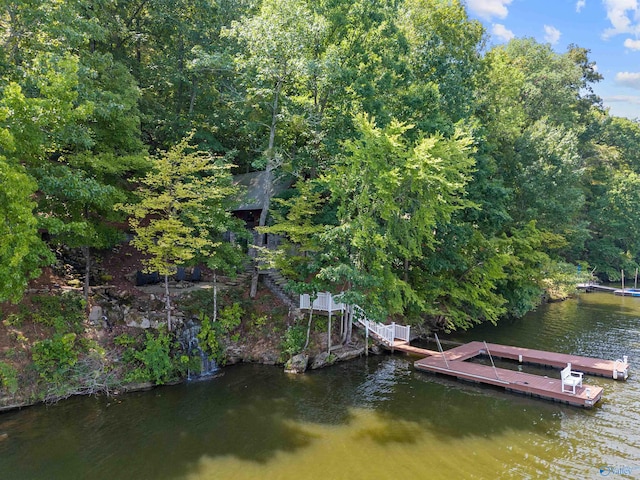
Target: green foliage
[8,378]
[153,361]
[22,252]
[211,334]
[54,356]
[13,320]
[65,312]
[190,364]
[230,317]
[209,338]
[258,321]
[180,201]
[408,214]
[125,340]
[294,340]
[416,186]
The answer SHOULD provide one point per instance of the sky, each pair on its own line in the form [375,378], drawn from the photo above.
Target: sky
[610,29]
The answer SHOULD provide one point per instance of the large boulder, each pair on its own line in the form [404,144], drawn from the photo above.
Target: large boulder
[298,364]
[322,360]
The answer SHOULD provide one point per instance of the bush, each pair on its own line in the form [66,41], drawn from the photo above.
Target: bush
[210,334]
[125,340]
[53,357]
[154,360]
[230,317]
[209,338]
[65,313]
[8,377]
[294,340]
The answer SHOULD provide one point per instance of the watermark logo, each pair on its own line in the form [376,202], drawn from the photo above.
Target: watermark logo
[606,470]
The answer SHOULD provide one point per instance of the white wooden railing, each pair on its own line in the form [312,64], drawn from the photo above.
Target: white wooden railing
[388,334]
[324,302]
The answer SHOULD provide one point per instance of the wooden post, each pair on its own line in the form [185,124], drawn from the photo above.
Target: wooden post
[393,334]
[329,333]
[622,276]
[635,283]
[366,340]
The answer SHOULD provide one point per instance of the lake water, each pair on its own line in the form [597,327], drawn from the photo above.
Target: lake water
[374,418]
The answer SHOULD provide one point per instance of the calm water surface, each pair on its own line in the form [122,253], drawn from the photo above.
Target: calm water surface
[370,419]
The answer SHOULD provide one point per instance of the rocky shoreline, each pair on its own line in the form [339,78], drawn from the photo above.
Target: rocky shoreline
[235,354]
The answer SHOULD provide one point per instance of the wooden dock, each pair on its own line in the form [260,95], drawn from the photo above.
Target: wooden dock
[454,363]
[625,292]
[540,386]
[616,369]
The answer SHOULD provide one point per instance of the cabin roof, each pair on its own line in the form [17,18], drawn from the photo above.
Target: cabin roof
[253,186]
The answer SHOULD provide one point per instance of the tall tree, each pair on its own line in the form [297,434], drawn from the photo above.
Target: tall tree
[390,195]
[22,251]
[76,210]
[178,199]
[276,43]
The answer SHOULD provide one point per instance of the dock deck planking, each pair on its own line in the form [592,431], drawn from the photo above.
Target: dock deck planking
[526,383]
[591,366]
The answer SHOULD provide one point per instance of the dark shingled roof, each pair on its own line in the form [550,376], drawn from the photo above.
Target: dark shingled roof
[254,189]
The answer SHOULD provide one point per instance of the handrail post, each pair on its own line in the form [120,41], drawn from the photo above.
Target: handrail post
[491,358]
[366,341]
[441,351]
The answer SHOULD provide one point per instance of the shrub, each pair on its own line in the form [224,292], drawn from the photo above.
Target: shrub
[230,317]
[125,340]
[8,377]
[154,360]
[13,320]
[210,334]
[53,357]
[65,313]
[293,340]
[209,338]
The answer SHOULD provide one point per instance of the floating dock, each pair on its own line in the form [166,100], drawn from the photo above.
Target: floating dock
[454,363]
[616,369]
[625,292]
[544,387]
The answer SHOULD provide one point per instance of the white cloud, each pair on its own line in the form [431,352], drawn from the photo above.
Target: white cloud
[622,99]
[580,5]
[501,32]
[488,9]
[632,44]
[621,21]
[551,34]
[628,79]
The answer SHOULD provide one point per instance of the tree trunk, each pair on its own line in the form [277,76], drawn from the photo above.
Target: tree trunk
[167,301]
[215,296]
[306,344]
[271,165]
[194,89]
[329,334]
[87,273]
